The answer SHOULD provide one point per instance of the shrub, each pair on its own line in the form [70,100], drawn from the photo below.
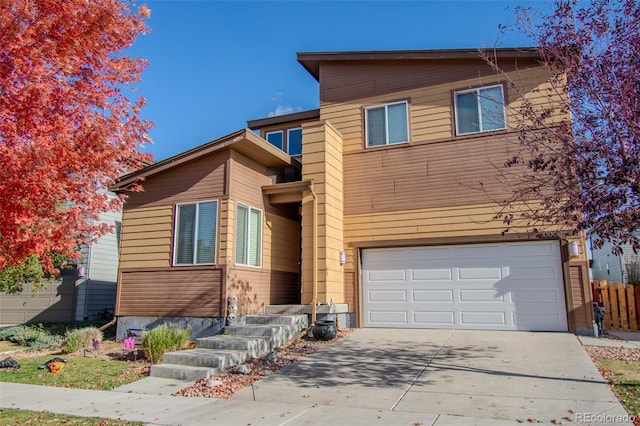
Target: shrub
[81,338]
[165,338]
[31,336]
[72,341]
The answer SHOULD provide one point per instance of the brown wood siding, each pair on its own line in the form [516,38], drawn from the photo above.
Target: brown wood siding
[431,110]
[256,288]
[203,179]
[247,178]
[184,292]
[146,237]
[426,175]
[342,81]
[581,310]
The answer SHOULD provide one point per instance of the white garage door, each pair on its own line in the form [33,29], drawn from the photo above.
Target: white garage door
[502,286]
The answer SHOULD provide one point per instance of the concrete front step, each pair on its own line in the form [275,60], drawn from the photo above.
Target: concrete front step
[181,372]
[210,358]
[261,334]
[254,345]
[297,321]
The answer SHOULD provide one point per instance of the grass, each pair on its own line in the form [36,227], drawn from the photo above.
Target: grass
[6,346]
[79,372]
[624,379]
[26,417]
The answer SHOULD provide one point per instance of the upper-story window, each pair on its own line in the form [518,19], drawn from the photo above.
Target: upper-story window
[387,124]
[195,233]
[290,141]
[479,110]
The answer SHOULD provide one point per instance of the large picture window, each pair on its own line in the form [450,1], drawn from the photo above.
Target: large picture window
[479,110]
[387,124]
[195,236]
[248,236]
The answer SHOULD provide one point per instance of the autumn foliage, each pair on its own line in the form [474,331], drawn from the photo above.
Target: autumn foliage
[67,125]
[584,174]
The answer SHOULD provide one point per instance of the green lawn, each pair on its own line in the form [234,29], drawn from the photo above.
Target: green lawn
[624,379]
[25,417]
[79,372]
[6,346]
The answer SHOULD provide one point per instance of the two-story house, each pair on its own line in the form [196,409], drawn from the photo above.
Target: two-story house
[371,203]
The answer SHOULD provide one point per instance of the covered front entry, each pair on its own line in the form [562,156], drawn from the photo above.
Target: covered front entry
[501,286]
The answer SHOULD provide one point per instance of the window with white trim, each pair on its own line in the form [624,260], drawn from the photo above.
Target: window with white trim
[276,139]
[479,110]
[195,233]
[248,236]
[289,141]
[387,124]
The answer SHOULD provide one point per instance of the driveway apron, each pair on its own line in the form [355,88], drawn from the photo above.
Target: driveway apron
[515,376]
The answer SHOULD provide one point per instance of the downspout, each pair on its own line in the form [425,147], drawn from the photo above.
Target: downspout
[314,254]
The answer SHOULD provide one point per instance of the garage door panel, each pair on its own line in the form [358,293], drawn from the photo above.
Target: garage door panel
[480,296]
[436,295]
[537,296]
[431,274]
[486,318]
[479,273]
[388,296]
[510,286]
[391,317]
[441,318]
[385,276]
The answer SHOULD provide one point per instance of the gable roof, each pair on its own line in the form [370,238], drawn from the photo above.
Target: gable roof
[311,60]
[244,141]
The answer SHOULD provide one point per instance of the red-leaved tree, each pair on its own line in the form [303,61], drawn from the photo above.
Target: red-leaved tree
[584,174]
[67,126]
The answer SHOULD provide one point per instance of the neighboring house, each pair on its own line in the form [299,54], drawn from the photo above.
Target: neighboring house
[370,202]
[87,292]
[96,285]
[612,267]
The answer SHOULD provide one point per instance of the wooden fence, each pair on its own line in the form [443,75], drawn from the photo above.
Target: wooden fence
[621,304]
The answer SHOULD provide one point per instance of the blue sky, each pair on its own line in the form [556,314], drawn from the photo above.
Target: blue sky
[213,65]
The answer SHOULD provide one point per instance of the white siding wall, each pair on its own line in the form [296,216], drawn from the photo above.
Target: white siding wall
[96,291]
[608,266]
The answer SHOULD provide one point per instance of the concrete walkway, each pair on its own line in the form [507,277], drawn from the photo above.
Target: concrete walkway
[383,376]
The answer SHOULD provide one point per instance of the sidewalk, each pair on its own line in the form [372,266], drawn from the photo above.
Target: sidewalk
[617,339]
[171,410]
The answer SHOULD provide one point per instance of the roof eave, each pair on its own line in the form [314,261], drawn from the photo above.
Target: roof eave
[311,60]
[244,141]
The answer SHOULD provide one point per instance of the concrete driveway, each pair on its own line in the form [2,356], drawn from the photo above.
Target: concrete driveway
[445,377]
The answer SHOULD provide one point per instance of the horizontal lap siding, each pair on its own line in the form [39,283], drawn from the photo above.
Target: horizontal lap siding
[146,237]
[147,241]
[430,106]
[165,292]
[342,81]
[256,288]
[199,180]
[425,176]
